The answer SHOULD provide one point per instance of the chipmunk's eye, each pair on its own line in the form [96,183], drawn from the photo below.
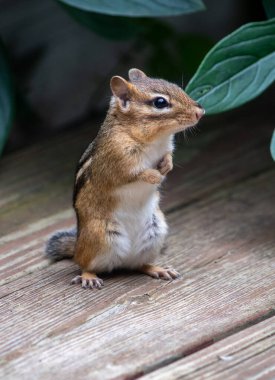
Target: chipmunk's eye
[160,102]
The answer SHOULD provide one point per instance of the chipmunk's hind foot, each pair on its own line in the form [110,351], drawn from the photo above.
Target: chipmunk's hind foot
[155,271]
[88,281]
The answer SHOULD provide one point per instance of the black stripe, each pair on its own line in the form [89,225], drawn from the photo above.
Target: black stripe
[78,185]
[80,182]
[86,155]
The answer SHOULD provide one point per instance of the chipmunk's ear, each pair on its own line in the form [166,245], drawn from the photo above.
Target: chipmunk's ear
[136,74]
[121,89]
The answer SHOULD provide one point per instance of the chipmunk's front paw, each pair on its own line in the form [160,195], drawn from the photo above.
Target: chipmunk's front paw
[166,164]
[159,272]
[151,176]
[154,179]
[88,280]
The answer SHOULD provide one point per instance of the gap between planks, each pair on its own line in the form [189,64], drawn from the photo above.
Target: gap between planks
[235,357]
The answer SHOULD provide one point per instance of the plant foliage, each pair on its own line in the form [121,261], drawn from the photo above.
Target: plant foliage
[110,27]
[272,146]
[6,98]
[237,69]
[138,8]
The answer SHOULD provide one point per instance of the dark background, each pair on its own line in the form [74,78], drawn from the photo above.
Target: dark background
[62,69]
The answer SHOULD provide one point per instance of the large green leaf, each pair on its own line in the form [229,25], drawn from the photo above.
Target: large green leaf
[236,69]
[6,98]
[272,146]
[111,27]
[138,8]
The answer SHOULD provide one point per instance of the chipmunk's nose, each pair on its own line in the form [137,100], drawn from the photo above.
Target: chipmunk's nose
[199,111]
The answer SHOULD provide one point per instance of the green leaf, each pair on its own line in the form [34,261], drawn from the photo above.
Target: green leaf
[138,8]
[272,145]
[6,98]
[269,7]
[237,69]
[111,27]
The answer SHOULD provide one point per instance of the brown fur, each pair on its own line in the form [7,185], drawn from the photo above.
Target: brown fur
[131,124]
[126,130]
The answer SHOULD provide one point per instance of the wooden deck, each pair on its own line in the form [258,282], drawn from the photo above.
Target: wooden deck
[216,322]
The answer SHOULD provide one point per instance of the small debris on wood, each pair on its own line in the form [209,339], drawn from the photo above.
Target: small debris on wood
[226,358]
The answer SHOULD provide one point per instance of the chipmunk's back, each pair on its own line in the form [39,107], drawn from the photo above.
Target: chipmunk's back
[116,196]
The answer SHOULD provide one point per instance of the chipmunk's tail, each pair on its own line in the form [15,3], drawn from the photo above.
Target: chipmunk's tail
[61,245]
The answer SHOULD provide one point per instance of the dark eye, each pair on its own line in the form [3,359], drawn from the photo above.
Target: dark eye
[160,102]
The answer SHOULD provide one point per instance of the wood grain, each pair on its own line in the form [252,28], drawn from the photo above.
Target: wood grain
[22,252]
[224,247]
[246,355]
[219,205]
[36,184]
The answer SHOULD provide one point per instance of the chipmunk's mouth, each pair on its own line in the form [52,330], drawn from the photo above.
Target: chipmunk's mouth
[184,124]
[184,127]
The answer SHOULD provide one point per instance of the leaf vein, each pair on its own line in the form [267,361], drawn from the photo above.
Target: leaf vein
[234,76]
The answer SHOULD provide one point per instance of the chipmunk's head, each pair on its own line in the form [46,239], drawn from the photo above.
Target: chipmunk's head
[152,107]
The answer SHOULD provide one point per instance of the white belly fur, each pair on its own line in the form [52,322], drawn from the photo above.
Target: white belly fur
[138,203]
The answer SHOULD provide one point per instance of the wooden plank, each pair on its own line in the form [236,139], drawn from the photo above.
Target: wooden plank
[233,155]
[22,252]
[37,183]
[223,246]
[248,354]
[29,193]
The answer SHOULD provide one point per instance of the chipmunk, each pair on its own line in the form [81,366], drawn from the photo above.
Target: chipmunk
[116,197]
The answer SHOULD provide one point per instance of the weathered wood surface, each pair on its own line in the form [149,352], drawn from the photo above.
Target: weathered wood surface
[44,175]
[249,354]
[221,217]
[136,324]
[37,182]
